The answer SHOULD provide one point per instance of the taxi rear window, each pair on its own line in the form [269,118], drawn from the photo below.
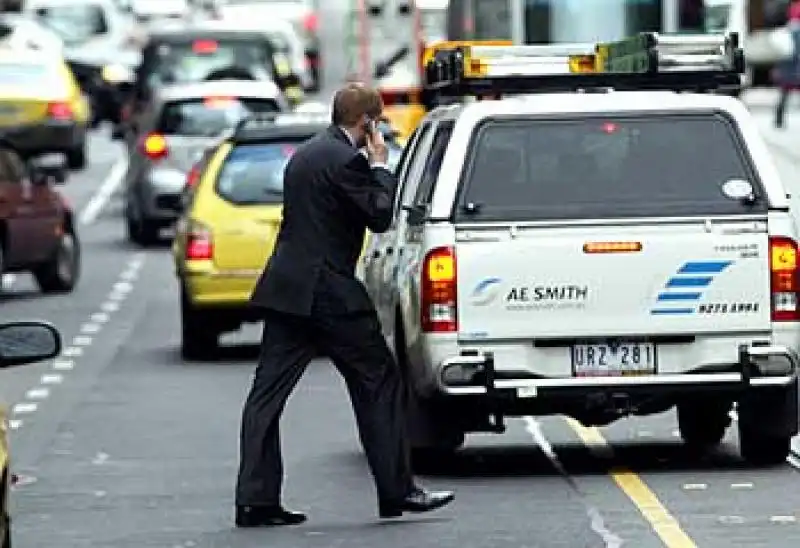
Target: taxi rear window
[605,167]
[253,174]
[28,74]
[210,115]
[204,59]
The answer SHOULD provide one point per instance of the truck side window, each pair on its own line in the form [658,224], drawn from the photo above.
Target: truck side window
[415,158]
[434,163]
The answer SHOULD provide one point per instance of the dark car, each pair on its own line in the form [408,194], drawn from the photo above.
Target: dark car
[36,224]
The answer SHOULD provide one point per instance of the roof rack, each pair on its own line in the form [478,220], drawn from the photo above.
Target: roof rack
[647,61]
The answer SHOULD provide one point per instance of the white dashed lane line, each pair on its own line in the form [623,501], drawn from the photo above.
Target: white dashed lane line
[66,362]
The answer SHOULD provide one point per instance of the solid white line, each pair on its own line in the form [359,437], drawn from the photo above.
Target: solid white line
[110,185]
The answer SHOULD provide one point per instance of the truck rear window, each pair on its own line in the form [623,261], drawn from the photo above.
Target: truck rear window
[253,174]
[210,116]
[605,167]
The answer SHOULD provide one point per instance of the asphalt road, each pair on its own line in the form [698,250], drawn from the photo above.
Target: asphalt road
[120,444]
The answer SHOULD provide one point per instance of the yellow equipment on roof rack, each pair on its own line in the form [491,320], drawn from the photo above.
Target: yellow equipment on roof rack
[647,61]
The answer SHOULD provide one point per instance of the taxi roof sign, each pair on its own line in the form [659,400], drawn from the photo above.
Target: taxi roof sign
[645,61]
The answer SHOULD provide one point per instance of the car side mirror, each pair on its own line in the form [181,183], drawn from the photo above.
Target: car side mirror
[416,213]
[28,342]
[48,168]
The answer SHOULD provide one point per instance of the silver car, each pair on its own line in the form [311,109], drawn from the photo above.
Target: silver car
[172,134]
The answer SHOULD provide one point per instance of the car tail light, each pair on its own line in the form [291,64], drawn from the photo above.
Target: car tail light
[439,292]
[193,177]
[59,111]
[783,264]
[199,245]
[154,146]
[311,22]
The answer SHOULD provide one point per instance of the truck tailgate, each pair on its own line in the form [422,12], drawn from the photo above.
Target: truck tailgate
[668,278]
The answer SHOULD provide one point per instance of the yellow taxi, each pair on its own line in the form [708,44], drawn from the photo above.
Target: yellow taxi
[233,206]
[42,109]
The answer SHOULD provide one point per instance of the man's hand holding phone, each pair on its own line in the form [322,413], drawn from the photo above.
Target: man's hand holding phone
[377,151]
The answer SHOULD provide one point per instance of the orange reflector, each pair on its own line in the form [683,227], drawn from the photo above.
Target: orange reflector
[612,247]
[582,63]
[218,102]
[155,144]
[441,268]
[783,257]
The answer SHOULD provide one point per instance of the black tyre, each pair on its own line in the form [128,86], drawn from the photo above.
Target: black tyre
[199,336]
[141,231]
[703,425]
[76,158]
[61,272]
[763,450]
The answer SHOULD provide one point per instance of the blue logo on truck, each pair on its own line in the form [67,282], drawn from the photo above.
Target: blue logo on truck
[684,289]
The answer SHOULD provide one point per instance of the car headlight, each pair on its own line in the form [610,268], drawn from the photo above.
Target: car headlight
[115,74]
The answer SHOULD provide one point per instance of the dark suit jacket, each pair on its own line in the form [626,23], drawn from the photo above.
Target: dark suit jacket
[331,196]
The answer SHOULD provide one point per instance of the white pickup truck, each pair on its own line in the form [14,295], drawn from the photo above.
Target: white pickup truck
[595,255]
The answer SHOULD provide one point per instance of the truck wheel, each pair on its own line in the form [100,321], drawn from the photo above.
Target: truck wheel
[703,425]
[763,450]
[61,272]
[199,339]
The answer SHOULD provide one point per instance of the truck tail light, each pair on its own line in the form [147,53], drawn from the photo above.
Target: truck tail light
[199,245]
[783,263]
[439,291]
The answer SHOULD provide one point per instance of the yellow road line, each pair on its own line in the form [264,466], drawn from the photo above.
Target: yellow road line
[664,524]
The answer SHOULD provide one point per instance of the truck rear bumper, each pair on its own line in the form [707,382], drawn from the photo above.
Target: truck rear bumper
[759,366]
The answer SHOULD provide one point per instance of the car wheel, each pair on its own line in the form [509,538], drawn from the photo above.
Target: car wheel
[61,272]
[141,231]
[701,425]
[76,158]
[199,337]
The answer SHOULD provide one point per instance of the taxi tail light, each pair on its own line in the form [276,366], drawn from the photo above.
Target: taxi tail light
[193,177]
[59,111]
[199,245]
[154,146]
[439,291]
[785,286]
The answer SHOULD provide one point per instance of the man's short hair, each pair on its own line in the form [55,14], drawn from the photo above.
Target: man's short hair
[353,101]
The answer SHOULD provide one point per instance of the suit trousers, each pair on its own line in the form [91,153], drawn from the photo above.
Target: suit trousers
[356,346]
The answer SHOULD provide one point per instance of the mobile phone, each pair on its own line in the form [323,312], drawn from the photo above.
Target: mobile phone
[370,127]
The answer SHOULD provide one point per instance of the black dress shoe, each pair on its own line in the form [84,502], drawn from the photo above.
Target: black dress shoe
[418,501]
[267,516]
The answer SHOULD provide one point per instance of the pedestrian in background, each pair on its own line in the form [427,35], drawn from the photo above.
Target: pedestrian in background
[314,305]
[788,71]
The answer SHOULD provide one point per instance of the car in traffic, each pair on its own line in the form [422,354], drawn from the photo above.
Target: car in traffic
[42,108]
[198,53]
[596,255]
[179,124]
[97,48]
[37,226]
[228,229]
[21,343]
[303,15]
[21,32]
[147,10]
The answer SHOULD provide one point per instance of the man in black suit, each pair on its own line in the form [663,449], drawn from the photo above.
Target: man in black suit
[314,305]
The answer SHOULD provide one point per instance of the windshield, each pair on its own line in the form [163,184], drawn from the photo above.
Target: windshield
[717,17]
[28,75]
[434,24]
[253,174]
[210,116]
[605,168]
[200,60]
[73,23]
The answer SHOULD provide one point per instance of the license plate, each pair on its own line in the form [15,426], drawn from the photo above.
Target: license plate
[613,360]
